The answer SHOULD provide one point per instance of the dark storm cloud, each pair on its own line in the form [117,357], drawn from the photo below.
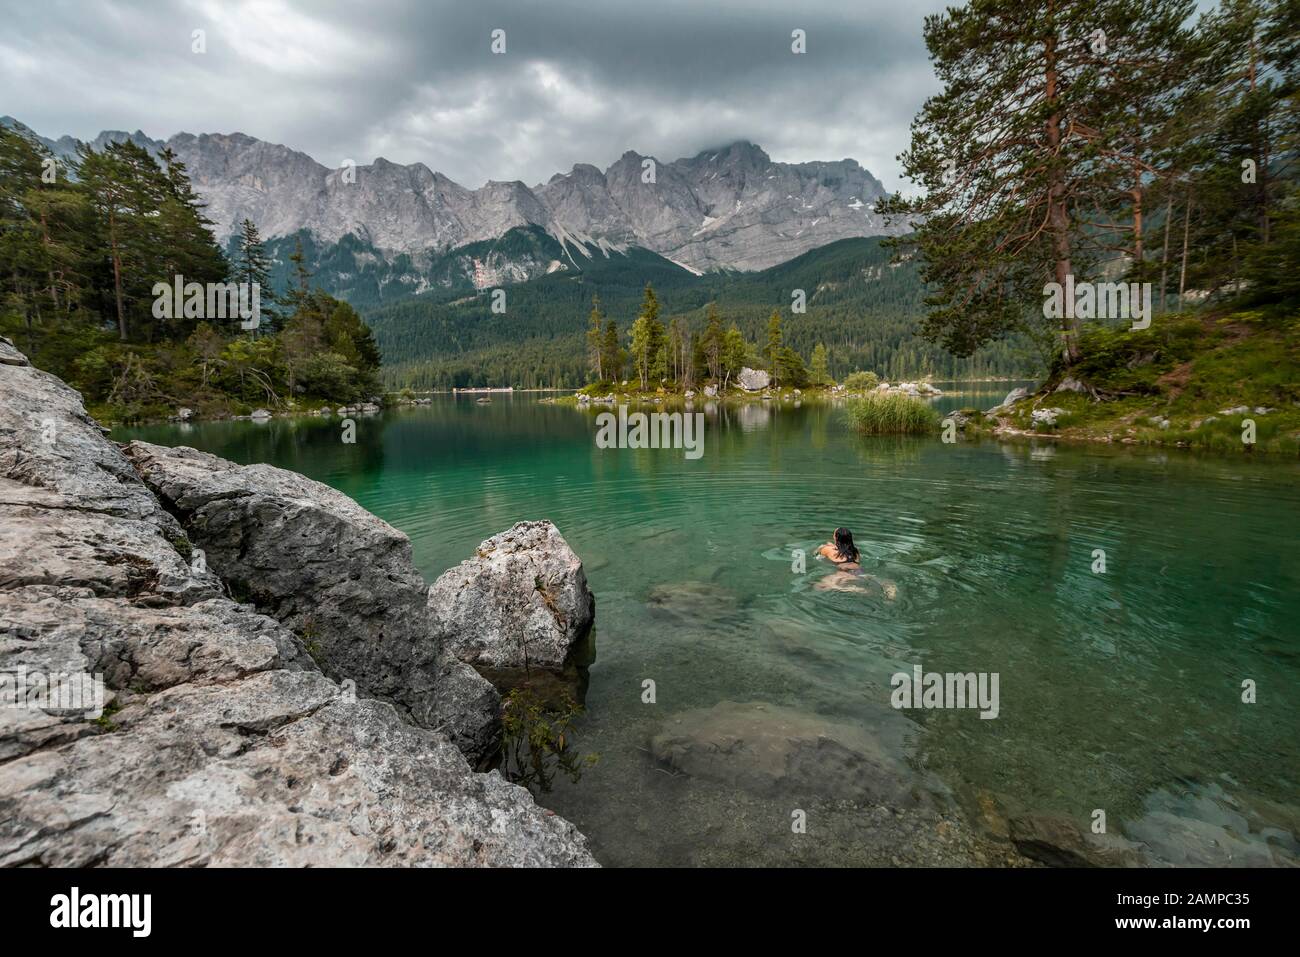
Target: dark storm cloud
[579,82]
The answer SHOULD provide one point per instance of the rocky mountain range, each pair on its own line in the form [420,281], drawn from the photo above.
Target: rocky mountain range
[730,208]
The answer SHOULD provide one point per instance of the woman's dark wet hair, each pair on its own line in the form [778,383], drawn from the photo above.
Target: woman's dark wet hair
[844,545]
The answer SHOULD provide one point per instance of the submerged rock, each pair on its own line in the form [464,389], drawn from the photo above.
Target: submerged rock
[768,749]
[519,611]
[1201,825]
[1063,842]
[692,601]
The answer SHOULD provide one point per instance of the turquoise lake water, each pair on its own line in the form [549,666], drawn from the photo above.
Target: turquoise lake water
[1119,690]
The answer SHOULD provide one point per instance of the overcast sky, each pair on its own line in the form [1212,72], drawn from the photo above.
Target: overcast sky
[417,81]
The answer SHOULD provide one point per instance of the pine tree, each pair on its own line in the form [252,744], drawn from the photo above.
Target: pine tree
[790,368]
[189,248]
[820,373]
[253,266]
[713,342]
[46,246]
[595,340]
[774,341]
[676,334]
[640,346]
[734,353]
[1015,151]
[649,340]
[298,290]
[106,183]
[611,360]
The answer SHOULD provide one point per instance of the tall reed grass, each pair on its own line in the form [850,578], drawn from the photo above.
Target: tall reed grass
[886,414]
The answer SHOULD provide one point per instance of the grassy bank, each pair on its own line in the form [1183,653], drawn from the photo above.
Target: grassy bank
[1199,382]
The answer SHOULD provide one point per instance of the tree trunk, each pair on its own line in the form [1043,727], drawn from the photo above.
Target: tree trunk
[117,275]
[1057,215]
[49,273]
[1164,258]
[1187,222]
[1261,157]
[1136,193]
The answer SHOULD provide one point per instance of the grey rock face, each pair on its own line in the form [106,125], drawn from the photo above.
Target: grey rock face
[519,610]
[753,380]
[220,742]
[312,559]
[467,709]
[275,770]
[71,509]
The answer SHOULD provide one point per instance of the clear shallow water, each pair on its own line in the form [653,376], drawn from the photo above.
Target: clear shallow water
[1118,691]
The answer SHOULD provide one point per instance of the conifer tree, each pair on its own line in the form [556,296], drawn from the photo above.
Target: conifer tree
[253,266]
[819,373]
[595,340]
[1017,150]
[774,340]
[713,342]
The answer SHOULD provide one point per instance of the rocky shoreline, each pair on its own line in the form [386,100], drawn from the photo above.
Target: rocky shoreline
[279,687]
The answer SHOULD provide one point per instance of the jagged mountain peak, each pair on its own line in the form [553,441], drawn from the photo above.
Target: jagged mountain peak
[738,150]
[729,207]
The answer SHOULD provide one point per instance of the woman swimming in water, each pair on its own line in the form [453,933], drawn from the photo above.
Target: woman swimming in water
[848,570]
[841,550]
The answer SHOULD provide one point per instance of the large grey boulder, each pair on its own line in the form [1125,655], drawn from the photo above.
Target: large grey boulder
[753,380]
[313,559]
[215,739]
[519,611]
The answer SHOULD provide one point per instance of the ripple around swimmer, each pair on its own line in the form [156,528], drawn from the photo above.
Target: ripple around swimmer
[1113,685]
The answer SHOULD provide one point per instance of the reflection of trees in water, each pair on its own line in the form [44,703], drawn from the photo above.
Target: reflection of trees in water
[313,446]
[753,416]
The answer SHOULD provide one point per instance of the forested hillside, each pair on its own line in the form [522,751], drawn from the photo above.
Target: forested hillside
[862,308]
